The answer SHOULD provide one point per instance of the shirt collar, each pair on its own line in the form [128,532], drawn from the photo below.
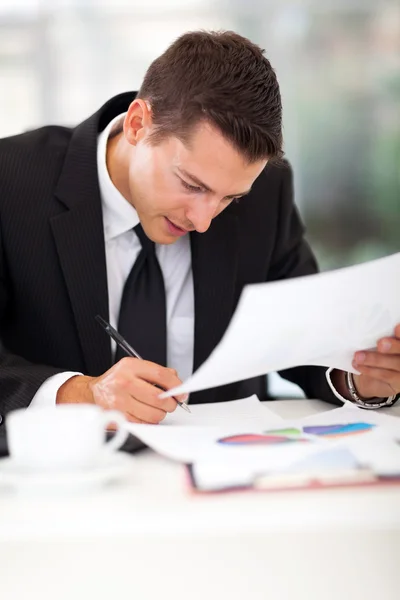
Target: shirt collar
[119,216]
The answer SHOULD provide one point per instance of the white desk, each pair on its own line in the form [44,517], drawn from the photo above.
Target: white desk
[148,539]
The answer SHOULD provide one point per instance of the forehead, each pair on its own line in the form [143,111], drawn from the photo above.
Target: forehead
[212,158]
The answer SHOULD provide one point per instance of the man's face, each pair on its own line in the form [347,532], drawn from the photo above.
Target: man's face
[177,188]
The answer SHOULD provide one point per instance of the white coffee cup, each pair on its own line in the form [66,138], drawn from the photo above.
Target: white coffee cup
[68,436]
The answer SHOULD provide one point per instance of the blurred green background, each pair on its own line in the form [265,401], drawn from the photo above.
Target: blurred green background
[338,63]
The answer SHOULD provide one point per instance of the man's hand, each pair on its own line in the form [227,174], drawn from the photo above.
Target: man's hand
[130,387]
[379,369]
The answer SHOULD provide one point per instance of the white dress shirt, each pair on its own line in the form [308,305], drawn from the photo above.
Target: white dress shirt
[122,249]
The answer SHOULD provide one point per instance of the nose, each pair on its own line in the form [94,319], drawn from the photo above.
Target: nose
[201,213]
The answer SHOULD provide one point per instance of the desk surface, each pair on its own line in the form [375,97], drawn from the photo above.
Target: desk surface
[121,532]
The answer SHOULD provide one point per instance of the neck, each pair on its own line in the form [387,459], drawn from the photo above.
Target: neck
[117,160]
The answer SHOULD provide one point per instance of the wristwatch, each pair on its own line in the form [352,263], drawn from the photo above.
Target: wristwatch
[368,403]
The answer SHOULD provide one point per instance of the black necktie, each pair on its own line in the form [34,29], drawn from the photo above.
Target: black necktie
[142,318]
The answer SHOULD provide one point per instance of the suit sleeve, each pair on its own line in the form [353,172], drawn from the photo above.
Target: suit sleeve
[293,257]
[19,378]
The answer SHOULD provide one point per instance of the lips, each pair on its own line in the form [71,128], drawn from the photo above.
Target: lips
[178,226]
[175,230]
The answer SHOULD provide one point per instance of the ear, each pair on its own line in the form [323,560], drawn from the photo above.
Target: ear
[138,121]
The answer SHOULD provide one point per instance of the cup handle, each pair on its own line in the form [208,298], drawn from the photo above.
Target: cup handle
[113,416]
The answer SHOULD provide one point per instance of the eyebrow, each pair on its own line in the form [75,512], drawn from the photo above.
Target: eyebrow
[206,187]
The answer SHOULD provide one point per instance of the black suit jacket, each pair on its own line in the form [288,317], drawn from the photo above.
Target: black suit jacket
[53,270]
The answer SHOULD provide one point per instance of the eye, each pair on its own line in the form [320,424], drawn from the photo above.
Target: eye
[191,188]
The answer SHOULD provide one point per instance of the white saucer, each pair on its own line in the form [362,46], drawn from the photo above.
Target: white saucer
[112,467]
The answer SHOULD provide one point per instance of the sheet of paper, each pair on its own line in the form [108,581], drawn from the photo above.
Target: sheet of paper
[350,413]
[190,444]
[219,475]
[186,437]
[316,320]
[346,442]
[373,439]
[246,438]
[245,413]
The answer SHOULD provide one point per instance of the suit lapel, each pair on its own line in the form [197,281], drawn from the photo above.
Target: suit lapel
[214,265]
[79,236]
[82,257]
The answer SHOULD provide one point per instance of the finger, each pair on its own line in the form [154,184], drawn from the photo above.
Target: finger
[397,331]
[389,345]
[376,359]
[162,376]
[122,401]
[391,378]
[181,397]
[132,419]
[128,371]
[149,394]
[145,413]
[127,363]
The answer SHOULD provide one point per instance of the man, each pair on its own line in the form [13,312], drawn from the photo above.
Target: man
[187,164]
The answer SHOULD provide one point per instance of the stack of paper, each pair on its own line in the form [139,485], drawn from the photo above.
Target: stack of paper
[339,447]
[243,443]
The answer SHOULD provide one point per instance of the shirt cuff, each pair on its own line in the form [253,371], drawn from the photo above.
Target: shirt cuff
[334,390]
[47,393]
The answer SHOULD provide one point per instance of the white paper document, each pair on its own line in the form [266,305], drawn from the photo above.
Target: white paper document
[347,444]
[187,437]
[350,413]
[378,447]
[248,412]
[221,475]
[232,443]
[315,320]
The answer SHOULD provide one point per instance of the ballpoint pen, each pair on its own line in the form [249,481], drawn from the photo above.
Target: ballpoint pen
[122,343]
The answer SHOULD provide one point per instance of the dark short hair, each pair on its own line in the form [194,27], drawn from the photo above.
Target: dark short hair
[221,78]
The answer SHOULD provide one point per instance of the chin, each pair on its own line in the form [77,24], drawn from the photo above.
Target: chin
[159,236]
[158,232]
[166,240]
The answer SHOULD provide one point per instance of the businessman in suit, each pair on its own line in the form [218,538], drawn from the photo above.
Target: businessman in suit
[155,212]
